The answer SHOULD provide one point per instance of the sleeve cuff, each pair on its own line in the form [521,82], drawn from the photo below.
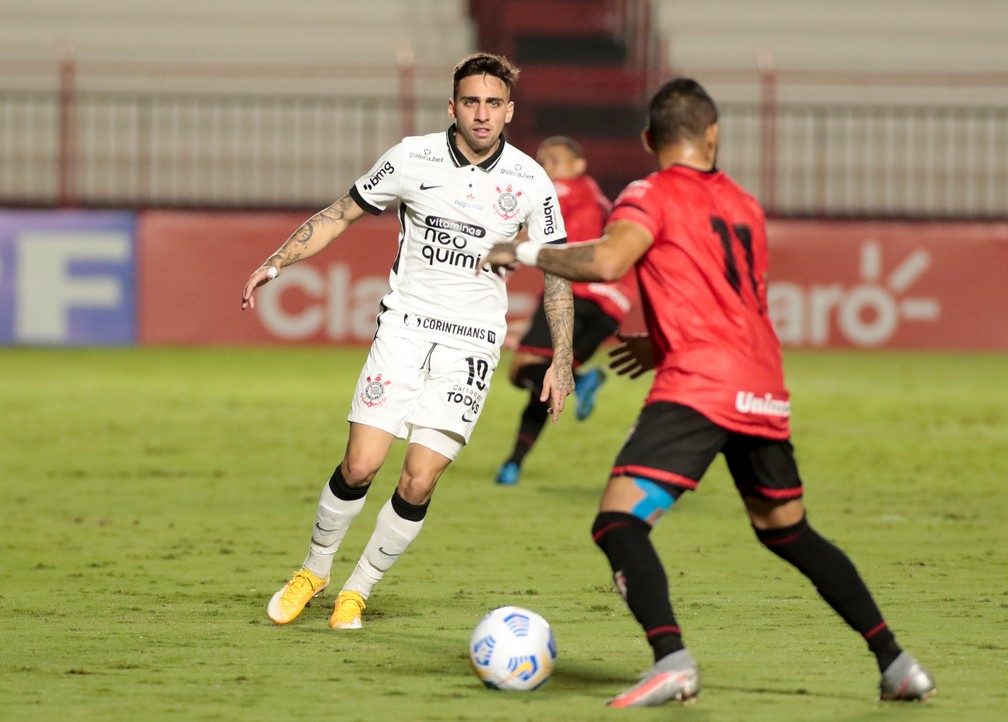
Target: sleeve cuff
[359,200]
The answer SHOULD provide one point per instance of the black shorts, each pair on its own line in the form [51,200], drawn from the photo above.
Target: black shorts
[672,445]
[592,326]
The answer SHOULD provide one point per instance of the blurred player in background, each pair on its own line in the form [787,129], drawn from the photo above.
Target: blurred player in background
[440,327]
[698,242]
[598,307]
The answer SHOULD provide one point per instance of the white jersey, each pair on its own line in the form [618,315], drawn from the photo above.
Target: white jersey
[451,213]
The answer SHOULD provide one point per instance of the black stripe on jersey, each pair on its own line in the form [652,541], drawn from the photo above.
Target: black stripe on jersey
[461,161]
[402,235]
[490,162]
[627,204]
[359,200]
[382,308]
[457,158]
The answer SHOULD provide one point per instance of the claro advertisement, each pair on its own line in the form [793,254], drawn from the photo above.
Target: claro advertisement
[170,277]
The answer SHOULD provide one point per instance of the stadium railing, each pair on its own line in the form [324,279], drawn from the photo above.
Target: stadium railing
[90,134]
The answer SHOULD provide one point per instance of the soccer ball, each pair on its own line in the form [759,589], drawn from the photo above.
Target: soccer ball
[512,648]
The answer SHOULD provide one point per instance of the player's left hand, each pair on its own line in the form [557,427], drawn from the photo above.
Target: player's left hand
[500,258]
[558,384]
[261,275]
[634,356]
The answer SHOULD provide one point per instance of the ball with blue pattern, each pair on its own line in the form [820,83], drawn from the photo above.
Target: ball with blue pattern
[512,648]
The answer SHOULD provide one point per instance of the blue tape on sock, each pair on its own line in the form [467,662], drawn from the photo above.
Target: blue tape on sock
[656,501]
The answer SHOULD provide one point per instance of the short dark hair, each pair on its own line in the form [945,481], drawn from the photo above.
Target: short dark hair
[485,64]
[680,111]
[567,142]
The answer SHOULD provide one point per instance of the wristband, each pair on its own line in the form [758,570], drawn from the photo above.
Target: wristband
[272,272]
[527,253]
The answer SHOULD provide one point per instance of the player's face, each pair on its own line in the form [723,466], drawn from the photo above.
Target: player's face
[560,163]
[480,109]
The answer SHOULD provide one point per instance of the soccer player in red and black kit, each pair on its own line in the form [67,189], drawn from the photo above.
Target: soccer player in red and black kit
[699,246]
[599,308]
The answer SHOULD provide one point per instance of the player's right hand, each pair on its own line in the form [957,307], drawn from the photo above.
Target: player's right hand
[634,356]
[263,274]
[501,258]
[558,384]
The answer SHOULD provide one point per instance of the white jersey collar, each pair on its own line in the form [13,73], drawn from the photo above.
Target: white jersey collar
[460,160]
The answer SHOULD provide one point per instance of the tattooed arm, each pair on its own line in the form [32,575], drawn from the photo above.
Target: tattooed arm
[558,304]
[606,259]
[314,234]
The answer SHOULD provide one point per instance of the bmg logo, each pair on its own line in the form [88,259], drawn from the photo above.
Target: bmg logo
[548,214]
[386,170]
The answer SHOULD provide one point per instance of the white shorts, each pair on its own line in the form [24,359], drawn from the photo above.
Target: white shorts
[407,384]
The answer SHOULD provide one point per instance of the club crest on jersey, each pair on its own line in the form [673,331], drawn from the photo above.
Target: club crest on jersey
[374,393]
[413,321]
[506,205]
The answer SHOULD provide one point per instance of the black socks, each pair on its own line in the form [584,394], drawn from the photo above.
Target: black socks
[640,577]
[339,488]
[837,581]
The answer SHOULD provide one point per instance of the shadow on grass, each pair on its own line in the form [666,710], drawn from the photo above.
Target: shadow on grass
[781,691]
[570,676]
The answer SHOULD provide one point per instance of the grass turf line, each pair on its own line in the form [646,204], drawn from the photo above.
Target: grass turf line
[155,498]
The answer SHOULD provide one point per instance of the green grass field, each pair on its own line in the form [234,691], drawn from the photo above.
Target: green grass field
[153,500]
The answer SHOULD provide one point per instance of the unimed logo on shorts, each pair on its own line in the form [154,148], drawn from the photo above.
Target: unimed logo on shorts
[866,313]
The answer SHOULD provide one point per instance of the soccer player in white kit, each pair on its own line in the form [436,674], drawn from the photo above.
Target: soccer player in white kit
[440,327]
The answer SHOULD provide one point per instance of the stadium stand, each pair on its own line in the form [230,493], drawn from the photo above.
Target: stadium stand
[325,32]
[586,70]
[237,103]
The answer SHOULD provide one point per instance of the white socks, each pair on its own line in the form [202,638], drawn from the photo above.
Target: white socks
[392,536]
[332,521]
